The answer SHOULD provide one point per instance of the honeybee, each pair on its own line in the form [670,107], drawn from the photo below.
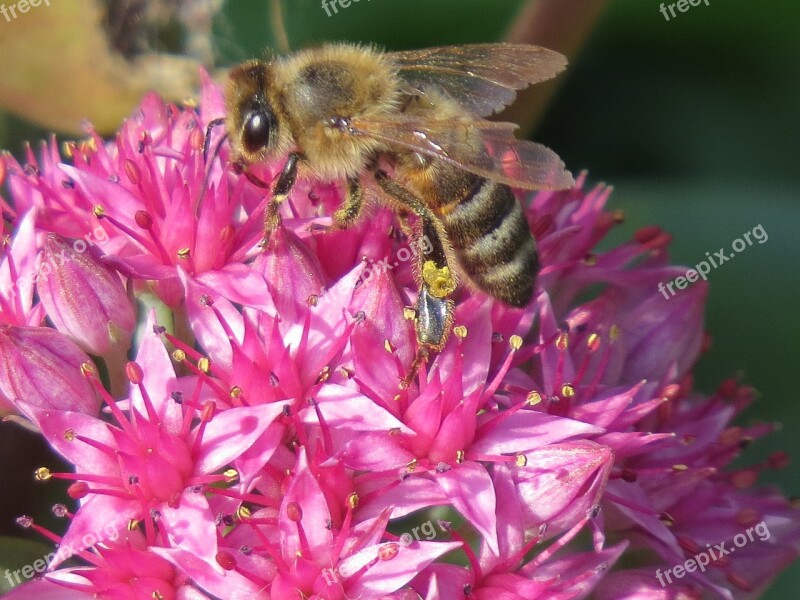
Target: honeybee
[407,127]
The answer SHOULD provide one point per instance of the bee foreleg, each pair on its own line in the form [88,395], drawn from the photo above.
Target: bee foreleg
[280,191]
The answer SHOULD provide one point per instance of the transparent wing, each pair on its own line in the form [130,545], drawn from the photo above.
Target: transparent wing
[486,148]
[481,77]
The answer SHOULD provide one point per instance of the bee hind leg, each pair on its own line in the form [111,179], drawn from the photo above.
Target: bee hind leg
[434,307]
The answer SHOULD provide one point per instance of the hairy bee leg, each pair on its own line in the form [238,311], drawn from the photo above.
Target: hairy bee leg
[434,308]
[405,226]
[280,191]
[349,212]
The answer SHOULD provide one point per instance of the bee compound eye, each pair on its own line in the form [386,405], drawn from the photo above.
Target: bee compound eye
[257,129]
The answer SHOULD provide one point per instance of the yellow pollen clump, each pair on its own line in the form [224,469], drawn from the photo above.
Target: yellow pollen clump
[184,253]
[179,355]
[324,374]
[567,390]
[521,460]
[352,500]
[98,211]
[69,435]
[533,398]
[204,364]
[439,280]
[42,474]
[515,342]
[230,475]
[460,331]
[409,313]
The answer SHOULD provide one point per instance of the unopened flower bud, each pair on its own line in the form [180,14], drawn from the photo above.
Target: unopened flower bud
[83,297]
[41,369]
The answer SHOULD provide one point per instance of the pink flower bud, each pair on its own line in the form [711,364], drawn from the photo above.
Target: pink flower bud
[83,297]
[41,369]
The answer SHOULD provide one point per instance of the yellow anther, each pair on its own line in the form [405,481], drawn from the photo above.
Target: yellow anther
[460,331]
[230,475]
[69,435]
[593,342]
[533,398]
[87,369]
[567,390]
[179,355]
[42,474]
[204,364]
[409,313]
[243,513]
[562,341]
[184,253]
[460,457]
[515,342]
[521,460]
[236,391]
[614,333]
[352,500]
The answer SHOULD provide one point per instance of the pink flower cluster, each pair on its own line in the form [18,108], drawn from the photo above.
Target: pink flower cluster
[263,443]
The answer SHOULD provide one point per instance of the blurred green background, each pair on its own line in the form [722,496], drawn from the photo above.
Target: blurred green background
[695,121]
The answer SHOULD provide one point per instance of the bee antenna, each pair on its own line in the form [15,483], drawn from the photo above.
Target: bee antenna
[207,142]
[278,24]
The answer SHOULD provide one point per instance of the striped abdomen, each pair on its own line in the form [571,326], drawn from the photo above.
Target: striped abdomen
[491,239]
